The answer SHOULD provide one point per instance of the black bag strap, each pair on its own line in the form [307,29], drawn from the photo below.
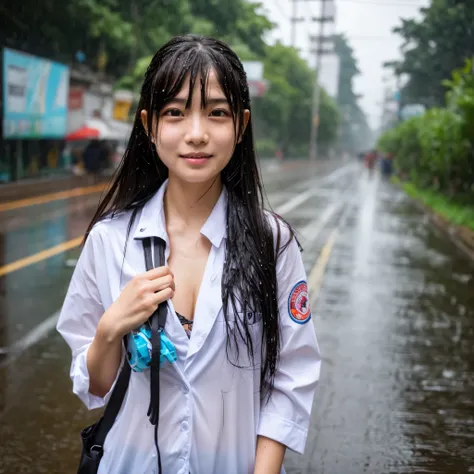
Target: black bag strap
[157,324]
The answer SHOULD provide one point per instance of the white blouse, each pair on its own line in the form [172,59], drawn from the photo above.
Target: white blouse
[210,410]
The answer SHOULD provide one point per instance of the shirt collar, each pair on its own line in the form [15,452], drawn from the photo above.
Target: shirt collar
[152,223]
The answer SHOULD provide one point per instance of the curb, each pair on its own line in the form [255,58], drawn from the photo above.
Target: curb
[462,237]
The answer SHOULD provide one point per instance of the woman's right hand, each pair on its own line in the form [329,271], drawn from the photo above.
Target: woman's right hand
[137,302]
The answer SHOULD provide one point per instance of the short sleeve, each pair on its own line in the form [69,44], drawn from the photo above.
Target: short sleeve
[80,315]
[286,416]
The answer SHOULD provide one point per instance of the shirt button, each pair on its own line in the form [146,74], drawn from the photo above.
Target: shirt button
[185,388]
[214,276]
[184,426]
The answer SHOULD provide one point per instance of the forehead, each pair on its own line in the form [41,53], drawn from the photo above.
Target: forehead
[212,87]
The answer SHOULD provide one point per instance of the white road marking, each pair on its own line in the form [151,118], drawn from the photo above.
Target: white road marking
[313,189]
[35,335]
[313,229]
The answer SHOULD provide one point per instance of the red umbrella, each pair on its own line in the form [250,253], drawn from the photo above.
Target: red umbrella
[84,133]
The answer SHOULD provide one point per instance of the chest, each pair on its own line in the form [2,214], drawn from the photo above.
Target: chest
[198,270]
[188,259]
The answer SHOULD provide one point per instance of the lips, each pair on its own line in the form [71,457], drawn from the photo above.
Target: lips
[196,156]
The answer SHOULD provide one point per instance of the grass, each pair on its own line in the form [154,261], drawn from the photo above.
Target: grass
[458,214]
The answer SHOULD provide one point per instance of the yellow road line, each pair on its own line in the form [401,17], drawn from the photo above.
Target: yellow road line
[40,256]
[9,206]
[315,279]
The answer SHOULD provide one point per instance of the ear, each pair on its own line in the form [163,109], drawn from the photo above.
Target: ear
[144,118]
[246,121]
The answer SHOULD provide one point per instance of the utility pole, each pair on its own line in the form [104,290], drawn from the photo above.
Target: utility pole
[294,19]
[293,24]
[317,88]
[319,51]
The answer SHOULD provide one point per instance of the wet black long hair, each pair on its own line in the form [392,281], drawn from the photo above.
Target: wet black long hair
[249,277]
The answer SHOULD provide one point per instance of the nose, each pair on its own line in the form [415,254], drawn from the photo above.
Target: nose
[197,133]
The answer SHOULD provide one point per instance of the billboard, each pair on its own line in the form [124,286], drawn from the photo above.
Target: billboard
[35,96]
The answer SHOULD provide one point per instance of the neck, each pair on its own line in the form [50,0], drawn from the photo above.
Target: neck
[188,205]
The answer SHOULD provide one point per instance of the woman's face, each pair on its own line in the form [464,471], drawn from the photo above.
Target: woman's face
[195,144]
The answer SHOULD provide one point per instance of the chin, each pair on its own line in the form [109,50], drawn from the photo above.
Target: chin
[196,176]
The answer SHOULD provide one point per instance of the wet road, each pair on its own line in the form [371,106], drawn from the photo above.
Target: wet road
[394,316]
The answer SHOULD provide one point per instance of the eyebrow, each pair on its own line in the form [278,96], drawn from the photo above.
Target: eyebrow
[210,101]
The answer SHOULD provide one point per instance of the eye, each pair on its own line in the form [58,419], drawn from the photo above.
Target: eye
[173,113]
[220,113]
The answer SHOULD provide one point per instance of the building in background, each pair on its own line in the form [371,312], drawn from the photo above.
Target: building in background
[96,112]
[50,111]
[34,115]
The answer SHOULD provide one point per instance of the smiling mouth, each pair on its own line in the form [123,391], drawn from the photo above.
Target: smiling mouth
[196,156]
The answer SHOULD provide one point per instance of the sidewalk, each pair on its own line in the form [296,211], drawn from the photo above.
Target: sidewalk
[38,187]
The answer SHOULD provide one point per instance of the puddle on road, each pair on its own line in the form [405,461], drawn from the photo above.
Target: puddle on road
[396,329]
[40,418]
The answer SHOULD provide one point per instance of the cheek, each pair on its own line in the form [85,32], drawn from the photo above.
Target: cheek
[225,138]
[168,137]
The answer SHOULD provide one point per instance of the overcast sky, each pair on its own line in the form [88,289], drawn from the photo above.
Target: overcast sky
[367,24]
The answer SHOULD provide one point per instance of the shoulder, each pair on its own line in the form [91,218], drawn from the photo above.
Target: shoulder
[112,226]
[283,234]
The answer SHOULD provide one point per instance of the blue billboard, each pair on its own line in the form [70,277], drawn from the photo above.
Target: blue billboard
[35,96]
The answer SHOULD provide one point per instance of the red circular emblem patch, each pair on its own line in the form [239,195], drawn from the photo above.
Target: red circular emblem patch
[298,303]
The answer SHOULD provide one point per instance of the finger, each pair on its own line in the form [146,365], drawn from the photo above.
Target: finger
[157,273]
[163,295]
[159,284]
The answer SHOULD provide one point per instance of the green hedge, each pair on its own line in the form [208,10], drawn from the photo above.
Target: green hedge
[436,151]
[455,213]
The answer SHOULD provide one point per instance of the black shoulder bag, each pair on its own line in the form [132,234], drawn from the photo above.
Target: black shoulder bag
[93,437]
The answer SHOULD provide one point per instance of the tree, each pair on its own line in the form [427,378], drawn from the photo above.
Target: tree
[125,30]
[128,32]
[238,21]
[433,47]
[284,113]
[58,30]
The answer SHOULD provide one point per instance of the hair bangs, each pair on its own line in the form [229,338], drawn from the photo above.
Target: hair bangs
[196,64]
[229,81]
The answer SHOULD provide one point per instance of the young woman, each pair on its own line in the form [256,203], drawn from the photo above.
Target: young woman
[242,387]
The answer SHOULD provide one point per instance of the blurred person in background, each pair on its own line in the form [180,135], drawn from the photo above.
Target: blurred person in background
[386,164]
[92,159]
[241,390]
[370,160]
[105,156]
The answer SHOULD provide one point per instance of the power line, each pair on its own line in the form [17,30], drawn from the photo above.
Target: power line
[308,6]
[313,145]
[385,37]
[280,8]
[384,4]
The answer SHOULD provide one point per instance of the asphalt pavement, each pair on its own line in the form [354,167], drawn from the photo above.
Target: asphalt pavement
[393,307]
